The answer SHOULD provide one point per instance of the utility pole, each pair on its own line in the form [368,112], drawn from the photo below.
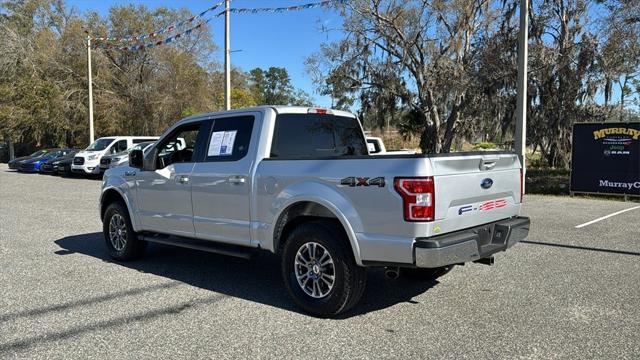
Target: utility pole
[227,59]
[90,90]
[521,106]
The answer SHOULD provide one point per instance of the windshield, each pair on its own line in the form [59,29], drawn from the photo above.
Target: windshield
[100,144]
[39,153]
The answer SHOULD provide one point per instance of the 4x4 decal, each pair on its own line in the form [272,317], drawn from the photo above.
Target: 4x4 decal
[363,181]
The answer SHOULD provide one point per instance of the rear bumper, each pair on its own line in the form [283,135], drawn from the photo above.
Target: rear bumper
[470,244]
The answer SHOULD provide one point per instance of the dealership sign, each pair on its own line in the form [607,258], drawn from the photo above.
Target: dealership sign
[605,158]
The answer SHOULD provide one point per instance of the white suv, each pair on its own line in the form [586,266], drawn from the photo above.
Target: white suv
[88,161]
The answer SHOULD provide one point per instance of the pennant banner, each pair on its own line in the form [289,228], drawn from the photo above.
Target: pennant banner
[105,43]
[166,30]
[156,43]
[281,9]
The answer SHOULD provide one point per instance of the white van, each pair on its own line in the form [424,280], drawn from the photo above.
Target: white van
[88,161]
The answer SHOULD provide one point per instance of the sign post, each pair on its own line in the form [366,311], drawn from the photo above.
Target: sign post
[90,90]
[521,105]
[227,59]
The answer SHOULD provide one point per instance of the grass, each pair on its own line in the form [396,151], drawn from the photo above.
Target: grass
[548,181]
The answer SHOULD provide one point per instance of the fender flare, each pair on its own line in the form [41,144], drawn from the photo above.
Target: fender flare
[127,201]
[329,198]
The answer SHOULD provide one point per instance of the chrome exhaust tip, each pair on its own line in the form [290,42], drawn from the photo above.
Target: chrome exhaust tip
[391,272]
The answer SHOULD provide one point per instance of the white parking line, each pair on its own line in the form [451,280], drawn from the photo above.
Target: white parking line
[606,217]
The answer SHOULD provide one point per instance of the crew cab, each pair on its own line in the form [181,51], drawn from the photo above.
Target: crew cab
[300,183]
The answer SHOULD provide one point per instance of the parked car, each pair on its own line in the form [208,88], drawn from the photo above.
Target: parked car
[121,158]
[51,166]
[63,166]
[87,162]
[15,163]
[4,152]
[299,182]
[34,164]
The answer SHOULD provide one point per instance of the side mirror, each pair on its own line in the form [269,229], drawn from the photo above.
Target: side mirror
[136,159]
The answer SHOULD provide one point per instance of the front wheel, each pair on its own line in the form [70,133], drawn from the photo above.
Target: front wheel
[122,242]
[319,270]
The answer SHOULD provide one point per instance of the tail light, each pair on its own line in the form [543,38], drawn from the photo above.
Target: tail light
[418,198]
[319,111]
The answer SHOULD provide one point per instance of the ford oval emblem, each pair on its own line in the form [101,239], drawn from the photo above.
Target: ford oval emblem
[486,183]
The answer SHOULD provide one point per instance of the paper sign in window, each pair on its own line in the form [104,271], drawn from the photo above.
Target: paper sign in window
[222,143]
[228,140]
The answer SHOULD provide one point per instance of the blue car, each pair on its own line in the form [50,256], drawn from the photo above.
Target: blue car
[15,163]
[34,164]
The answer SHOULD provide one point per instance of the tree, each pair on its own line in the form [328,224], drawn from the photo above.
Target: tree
[273,87]
[44,97]
[446,69]
[417,53]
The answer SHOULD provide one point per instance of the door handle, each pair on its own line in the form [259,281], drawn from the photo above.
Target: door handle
[183,179]
[238,180]
[129,173]
[488,164]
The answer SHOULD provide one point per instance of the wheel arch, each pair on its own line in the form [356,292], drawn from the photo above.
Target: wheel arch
[306,210]
[111,195]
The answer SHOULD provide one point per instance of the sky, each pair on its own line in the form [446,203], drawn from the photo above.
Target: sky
[259,40]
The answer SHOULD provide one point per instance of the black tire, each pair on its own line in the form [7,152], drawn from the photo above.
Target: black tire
[132,248]
[349,278]
[425,274]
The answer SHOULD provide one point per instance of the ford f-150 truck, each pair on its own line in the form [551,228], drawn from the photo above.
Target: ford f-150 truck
[300,183]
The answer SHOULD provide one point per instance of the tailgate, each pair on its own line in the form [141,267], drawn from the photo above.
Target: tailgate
[475,189]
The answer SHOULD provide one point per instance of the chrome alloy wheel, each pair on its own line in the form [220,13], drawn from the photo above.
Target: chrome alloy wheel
[314,269]
[118,232]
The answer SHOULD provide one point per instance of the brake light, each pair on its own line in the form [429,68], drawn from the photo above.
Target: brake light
[418,197]
[319,111]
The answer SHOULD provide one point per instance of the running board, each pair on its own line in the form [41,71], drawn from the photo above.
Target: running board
[202,245]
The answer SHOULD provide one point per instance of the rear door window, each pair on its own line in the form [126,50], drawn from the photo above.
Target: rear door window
[309,136]
[230,138]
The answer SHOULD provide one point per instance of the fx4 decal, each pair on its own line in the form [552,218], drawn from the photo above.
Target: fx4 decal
[362,181]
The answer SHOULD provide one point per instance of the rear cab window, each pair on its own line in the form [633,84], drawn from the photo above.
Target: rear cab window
[309,136]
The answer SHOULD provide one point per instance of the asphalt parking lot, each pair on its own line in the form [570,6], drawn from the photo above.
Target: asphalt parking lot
[565,293]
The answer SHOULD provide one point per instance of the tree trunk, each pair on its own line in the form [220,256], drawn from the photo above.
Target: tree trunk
[11,149]
[429,137]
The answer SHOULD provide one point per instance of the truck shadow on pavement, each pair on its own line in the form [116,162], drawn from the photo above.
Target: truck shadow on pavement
[256,280]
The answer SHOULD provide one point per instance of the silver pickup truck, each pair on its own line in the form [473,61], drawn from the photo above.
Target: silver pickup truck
[299,182]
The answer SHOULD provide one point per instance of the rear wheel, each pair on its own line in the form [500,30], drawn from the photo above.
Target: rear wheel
[122,242]
[319,270]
